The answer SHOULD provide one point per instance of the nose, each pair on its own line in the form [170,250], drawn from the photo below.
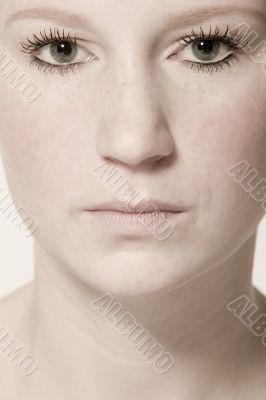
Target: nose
[133,129]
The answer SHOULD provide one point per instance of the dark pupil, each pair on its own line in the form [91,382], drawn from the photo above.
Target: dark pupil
[63,51]
[64,48]
[206,46]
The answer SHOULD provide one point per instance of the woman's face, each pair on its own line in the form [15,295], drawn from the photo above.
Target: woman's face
[152,94]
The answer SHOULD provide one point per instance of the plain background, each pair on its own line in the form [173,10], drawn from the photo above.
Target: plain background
[16,255]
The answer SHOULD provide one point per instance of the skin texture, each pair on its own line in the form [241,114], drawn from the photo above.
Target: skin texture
[173,132]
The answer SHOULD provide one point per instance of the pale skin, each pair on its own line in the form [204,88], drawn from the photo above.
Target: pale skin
[173,131]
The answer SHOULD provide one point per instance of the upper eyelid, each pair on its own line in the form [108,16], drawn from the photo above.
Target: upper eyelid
[44,38]
[233,38]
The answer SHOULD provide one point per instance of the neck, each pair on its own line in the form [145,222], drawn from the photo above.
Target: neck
[189,322]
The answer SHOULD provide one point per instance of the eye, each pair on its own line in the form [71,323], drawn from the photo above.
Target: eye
[62,52]
[210,51]
[206,51]
[56,52]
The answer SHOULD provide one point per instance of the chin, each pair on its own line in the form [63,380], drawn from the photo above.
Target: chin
[137,277]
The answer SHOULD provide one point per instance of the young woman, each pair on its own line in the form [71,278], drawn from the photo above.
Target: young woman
[129,145]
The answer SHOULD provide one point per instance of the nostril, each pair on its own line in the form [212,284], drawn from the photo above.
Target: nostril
[155,159]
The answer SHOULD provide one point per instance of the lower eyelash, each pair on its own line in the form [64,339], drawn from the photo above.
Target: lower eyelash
[52,68]
[210,67]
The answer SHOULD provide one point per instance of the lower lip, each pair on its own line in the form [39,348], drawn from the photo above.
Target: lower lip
[132,223]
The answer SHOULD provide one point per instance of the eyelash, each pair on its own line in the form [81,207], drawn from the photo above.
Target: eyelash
[234,40]
[31,46]
[51,68]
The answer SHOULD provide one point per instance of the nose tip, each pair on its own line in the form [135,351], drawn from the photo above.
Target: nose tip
[135,144]
[135,137]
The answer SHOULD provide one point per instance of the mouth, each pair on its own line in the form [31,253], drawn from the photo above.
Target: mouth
[118,219]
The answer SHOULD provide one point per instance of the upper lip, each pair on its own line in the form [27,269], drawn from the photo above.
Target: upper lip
[146,206]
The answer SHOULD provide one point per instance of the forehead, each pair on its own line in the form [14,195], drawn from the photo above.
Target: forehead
[120,11]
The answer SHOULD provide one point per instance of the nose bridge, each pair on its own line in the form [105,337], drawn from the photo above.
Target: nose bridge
[135,86]
[133,127]
[132,97]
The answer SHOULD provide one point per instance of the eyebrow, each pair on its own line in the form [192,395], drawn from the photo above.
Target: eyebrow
[205,13]
[181,19]
[52,14]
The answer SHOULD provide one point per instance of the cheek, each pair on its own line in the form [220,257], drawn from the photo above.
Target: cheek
[37,153]
[220,120]
[224,130]
[232,129]
[49,152]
